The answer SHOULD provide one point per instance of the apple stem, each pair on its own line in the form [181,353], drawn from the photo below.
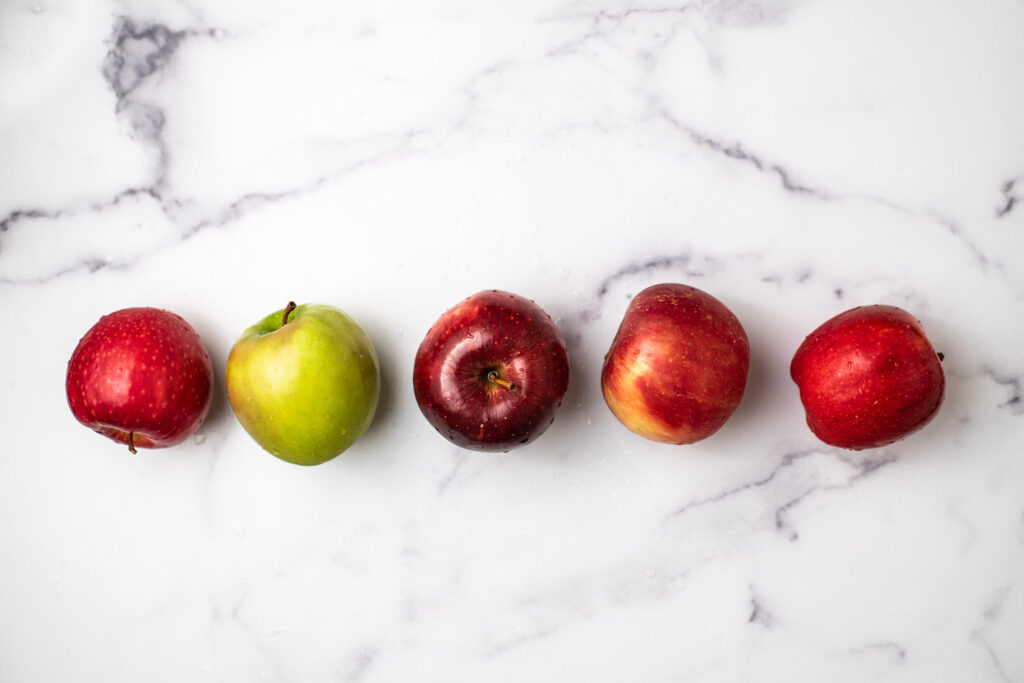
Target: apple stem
[492,376]
[287,311]
[131,443]
[941,356]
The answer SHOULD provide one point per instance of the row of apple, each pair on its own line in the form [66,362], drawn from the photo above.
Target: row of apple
[491,374]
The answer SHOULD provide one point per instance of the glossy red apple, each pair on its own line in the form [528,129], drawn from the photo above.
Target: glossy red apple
[491,372]
[678,365]
[141,376]
[868,377]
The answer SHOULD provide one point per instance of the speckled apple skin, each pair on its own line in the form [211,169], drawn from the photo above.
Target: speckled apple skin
[143,371]
[516,337]
[868,378]
[678,365]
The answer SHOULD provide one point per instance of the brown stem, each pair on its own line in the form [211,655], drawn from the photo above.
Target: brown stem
[287,311]
[941,356]
[492,376]
[131,443]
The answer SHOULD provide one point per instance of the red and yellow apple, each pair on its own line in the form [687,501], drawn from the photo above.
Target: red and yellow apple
[677,367]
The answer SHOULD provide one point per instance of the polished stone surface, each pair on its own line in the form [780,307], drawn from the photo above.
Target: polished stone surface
[792,158]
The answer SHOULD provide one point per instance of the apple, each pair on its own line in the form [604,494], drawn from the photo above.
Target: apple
[868,377]
[304,382]
[678,365]
[491,373]
[142,377]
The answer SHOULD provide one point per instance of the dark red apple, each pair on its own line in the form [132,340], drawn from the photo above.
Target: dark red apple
[678,365]
[491,372]
[141,376]
[868,377]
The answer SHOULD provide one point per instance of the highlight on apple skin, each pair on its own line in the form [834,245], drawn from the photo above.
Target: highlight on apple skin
[677,367]
[491,372]
[868,377]
[141,377]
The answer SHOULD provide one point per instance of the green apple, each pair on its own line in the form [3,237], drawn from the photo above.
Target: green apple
[304,382]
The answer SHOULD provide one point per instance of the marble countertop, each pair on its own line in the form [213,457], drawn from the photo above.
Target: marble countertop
[792,158]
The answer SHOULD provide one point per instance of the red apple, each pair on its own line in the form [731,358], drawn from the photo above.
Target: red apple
[491,372]
[868,377]
[678,365]
[141,376]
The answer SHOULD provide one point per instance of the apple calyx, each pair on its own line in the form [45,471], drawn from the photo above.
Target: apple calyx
[131,443]
[287,311]
[492,376]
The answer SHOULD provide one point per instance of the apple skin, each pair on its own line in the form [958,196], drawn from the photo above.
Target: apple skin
[307,390]
[868,377]
[142,377]
[677,367]
[491,332]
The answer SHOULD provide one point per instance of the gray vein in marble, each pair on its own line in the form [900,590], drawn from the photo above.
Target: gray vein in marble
[1013,383]
[735,151]
[1010,197]
[990,615]
[233,617]
[678,260]
[970,532]
[387,148]
[897,651]
[23,215]
[787,460]
[471,90]
[759,614]
[86,265]
[26,214]
[863,463]
[994,658]
[141,50]
[358,664]
[460,460]
[953,227]
[137,53]
[502,646]
[390,147]
[603,23]
[682,261]
[751,13]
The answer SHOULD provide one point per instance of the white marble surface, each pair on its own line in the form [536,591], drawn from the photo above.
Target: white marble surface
[794,158]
